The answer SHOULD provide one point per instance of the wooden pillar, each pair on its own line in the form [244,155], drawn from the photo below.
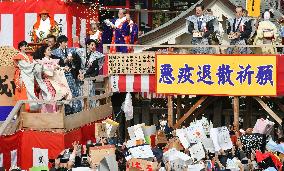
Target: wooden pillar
[248,113]
[178,107]
[217,113]
[145,110]
[236,104]
[170,111]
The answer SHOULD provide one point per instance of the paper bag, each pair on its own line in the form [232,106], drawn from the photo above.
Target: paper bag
[98,153]
[141,152]
[109,163]
[143,165]
[136,132]
[175,143]
[111,127]
[181,133]
[263,126]
[100,130]
[197,151]
[161,138]
[149,130]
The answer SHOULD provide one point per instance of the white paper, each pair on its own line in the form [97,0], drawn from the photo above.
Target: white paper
[196,132]
[197,151]
[136,132]
[181,133]
[130,143]
[224,138]
[40,157]
[208,145]
[149,130]
[221,138]
[14,158]
[141,152]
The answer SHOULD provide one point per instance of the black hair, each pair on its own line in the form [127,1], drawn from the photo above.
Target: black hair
[61,39]
[89,41]
[22,43]
[281,139]
[51,36]
[271,14]
[241,8]
[199,5]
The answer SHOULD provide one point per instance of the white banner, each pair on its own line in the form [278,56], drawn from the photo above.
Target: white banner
[30,20]
[40,157]
[83,32]
[6,30]
[62,23]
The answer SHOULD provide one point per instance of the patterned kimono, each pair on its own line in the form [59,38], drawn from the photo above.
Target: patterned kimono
[71,77]
[120,35]
[133,34]
[26,72]
[262,38]
[245,28]
[55,81]
[204,24]
[90,66]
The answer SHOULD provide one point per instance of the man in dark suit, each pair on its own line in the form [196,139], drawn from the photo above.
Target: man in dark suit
[201,27]
[239,31]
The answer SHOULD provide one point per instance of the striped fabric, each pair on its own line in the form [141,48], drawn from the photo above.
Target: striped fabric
[133,83]
[144,84]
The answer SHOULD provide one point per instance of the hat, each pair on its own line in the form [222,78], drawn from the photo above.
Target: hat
[44,12]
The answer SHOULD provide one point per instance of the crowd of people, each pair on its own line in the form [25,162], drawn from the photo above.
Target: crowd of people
[253,149]
[57,72]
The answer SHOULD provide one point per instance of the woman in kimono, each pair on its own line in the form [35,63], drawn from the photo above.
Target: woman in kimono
[92,62]
[26,71]
[72,64]
[267,34]
[54,79]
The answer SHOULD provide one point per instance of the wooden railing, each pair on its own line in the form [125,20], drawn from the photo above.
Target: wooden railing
[21,119]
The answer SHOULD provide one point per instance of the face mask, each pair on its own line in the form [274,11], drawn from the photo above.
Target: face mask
[266,15]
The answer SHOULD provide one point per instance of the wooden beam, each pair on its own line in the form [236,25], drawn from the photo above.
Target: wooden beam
[279,104]
[268,110]
[191,110]
[170,111]
[208,102]
[178,107]
[236,112]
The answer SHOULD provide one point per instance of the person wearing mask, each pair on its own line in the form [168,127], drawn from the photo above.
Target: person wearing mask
[91,63]
[267,34]
[121,32]
[72,64]
[44,26]
[201,27]
[239,31]
[26,72]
